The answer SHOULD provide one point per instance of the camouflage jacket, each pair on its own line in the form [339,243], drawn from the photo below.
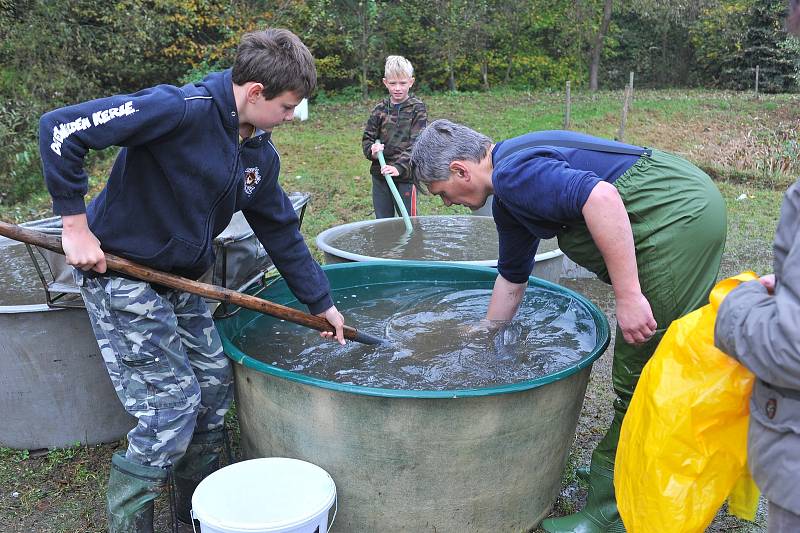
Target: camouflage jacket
[397,128]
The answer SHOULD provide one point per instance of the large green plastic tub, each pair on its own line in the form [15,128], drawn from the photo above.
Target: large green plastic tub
[486,460]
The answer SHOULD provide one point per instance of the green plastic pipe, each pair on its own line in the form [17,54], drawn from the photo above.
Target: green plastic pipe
[399,201]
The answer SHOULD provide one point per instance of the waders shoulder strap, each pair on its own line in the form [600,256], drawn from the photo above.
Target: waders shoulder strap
[506,149]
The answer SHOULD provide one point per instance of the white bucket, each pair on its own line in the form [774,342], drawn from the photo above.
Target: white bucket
[271,495]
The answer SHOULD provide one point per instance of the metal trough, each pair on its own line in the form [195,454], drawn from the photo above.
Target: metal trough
[54,388]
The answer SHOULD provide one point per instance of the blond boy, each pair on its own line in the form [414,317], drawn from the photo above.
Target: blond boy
[393,127]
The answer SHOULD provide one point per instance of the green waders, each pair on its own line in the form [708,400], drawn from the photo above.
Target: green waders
[202,458]
[132,488]
[679,225]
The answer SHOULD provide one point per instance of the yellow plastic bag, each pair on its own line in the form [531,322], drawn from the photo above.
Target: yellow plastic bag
[683,443]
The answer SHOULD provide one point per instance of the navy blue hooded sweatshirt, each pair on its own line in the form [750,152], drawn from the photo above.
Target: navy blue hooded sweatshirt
[179,178]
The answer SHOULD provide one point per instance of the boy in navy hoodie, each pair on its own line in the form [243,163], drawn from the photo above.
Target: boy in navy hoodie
[191,157]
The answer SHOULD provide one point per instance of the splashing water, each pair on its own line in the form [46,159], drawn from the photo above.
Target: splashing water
[434,342]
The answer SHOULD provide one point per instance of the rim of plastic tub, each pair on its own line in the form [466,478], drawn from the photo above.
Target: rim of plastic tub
[603,339]
[27,308]
[350,256]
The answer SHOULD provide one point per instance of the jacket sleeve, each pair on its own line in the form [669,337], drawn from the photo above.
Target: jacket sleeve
[67,134]
[371,132]
[277,227]
[761,330]
[418,123]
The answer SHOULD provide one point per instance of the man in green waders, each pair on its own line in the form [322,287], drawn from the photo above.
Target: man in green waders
[649,223]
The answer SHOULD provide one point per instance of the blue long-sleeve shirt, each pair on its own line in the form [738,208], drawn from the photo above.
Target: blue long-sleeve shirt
[179,178]
[540,190]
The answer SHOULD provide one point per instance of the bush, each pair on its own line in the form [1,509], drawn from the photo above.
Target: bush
[20,171]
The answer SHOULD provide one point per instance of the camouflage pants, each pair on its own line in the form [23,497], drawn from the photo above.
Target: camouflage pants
[165,359]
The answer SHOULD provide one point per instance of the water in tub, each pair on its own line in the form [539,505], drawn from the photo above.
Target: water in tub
[435,238]
[431,344]
[19,282]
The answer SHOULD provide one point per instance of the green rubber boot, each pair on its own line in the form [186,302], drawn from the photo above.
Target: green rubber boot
[202,457]
[600,514]
[582,473]
[132,488]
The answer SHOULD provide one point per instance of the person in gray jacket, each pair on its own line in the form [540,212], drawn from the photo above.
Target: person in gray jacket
[759,325]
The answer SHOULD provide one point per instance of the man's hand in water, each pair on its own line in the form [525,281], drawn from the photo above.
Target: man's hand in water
[501,335]
[484,327]
[505,341]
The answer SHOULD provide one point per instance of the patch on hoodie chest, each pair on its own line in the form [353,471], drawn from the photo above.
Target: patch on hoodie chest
[252,177]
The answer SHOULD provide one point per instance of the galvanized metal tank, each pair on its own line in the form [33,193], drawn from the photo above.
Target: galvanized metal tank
[486,459]
[54,388]
[548,261]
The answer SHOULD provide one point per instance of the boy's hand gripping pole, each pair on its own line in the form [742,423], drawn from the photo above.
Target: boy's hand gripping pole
[399,201]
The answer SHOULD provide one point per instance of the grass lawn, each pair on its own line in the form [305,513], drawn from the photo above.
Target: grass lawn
[750,146]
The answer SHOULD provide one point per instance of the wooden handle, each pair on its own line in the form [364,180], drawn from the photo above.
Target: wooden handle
[214,292]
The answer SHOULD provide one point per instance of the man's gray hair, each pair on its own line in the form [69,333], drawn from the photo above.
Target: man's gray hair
[441,143]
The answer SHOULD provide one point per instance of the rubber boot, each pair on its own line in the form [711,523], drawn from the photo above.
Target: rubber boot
[600,514]
[132,488]
[582,473]
[202,458]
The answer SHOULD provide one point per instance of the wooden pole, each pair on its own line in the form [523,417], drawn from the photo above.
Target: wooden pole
[624,119]
[567,109]
[118,264]
[630,83]
[757,73]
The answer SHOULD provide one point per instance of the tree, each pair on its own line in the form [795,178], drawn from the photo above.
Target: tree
[732,37]
[597,45]
[536,43]
[668,23]
[763,46]
[449,22]
[590,20]
[349,26]
[510,24]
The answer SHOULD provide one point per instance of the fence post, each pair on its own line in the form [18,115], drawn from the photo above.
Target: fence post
[625,104]
[757,72]
[567,109]
[630,82]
